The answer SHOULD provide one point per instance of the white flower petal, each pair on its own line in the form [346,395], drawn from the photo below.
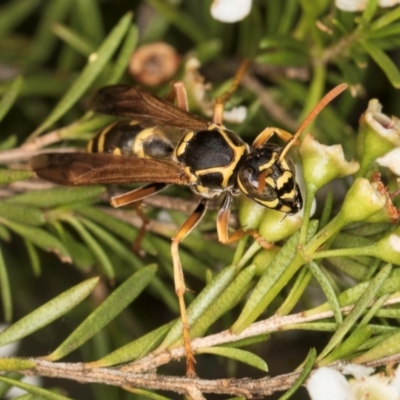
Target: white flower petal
[391,160]
[375,387]
[230,10]
[236,115]
[388,128]
[358,371]
[394,242]
[388,3]
[395,382]
[360,5]
[328,384]
[351,5]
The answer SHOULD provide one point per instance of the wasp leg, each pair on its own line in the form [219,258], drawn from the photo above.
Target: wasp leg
[137,194]
[218,115]
[222,227]
[137,244]
[178,93]
[267,133]
[179,280]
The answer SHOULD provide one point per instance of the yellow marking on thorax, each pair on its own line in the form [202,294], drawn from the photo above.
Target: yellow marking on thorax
[117,151]
[182,146]
[227,170]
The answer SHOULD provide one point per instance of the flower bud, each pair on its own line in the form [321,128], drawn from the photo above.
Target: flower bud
[362,200]
[321,163]
[388,248]
[378,135]
[277,226]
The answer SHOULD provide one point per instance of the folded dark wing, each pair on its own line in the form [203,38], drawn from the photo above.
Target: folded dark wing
[77,169]
[134,102]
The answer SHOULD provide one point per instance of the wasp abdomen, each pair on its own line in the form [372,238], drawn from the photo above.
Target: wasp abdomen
[130,138]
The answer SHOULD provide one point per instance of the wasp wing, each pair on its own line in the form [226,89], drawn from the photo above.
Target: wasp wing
[134,102]
[75,169]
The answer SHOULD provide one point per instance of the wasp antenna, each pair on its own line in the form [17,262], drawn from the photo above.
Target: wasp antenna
[219,103]
[311,116]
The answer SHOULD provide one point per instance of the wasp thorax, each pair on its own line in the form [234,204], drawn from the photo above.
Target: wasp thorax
[269,181]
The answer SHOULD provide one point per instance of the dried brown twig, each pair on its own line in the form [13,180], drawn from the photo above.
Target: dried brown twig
[134,374]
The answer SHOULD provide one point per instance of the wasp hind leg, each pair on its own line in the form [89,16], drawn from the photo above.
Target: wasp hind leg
[222,227]
[136,196]
[179,280]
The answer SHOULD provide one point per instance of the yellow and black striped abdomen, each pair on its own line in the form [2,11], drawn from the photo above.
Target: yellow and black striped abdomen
[131,138]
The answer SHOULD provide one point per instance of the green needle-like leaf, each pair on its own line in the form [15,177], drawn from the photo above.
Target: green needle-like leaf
[47,313]
[131,351]
[357,338]
[88,75]
[5,290]
[40,238]
[308,365]
[205,298]
[236,354]
[383,349]
[94,246]
[224,302]
[359,308]
[327,288]
[14,175]
[10,95]
[36,391]
[23,214]
[261,295]
[106,312]
[57,196]
[15,364]
[383,60]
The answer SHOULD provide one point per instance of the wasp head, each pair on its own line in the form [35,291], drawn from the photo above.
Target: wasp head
[269,180]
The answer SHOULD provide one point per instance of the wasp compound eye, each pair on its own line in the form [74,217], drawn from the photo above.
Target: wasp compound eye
[270,182]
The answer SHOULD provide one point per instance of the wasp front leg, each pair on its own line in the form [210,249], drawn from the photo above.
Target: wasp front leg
[222,227]
[180,287]
[267,133]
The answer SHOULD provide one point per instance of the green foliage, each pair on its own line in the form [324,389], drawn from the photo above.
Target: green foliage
[55,55]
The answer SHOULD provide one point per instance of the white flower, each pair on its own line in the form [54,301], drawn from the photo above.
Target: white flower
[236,115]
[364,386]
[391,160]
[360,5]
[387,127]
[230,10]
[329,384]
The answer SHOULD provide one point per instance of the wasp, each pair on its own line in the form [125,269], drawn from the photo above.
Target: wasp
[161,144]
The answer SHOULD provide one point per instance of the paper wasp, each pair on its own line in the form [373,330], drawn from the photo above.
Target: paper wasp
[162,144]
